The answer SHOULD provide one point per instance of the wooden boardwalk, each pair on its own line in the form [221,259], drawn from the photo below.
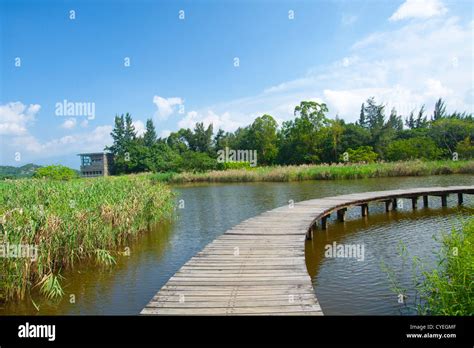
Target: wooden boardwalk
[258,267]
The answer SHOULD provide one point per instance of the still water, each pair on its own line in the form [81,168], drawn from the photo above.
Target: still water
[343,286]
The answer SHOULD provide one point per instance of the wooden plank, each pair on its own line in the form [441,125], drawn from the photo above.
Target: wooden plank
[268,276]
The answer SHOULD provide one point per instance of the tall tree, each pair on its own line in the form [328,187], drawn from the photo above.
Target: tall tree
[220,140]
[394,121]
[201,139]
[263,133]
[410,121]
[439,110]
[421,121]
[149,138]
[362,119]
[302,138]
[118,146]
[129,133]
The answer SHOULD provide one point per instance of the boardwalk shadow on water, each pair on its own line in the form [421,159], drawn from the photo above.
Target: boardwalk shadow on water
[348,286]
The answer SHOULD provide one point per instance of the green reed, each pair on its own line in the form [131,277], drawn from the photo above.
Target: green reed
[446,289]
[69,221]
[323,172]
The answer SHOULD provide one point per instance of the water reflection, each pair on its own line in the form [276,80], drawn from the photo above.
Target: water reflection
[345,286]
[209,210]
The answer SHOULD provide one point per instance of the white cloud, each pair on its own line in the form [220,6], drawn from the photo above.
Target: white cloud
[165,133]
[419,9]
[404,68]
[434,88]
[208,117]
[166,106]
[93,141]
[70,123]
[15,116]
[139,127]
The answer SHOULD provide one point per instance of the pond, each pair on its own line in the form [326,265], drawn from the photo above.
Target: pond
[205,211]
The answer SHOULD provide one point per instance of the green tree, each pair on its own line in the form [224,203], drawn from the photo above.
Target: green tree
[220,140]
[301,138]
[439,110]
[421,121]
[448,132]
[413,148]
[55,172]
[129,134]
[361,154]
[394,121]
[198,162]
[149,137]
[465,148]
[362,119]
[354,136]
[117,134]
[263,133]
[410,121]
[178,141]
[201,139]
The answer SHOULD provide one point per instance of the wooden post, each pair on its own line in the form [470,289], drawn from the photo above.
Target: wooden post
[425,201]
[364,209]
[324,223]
[394,204]
[460,198]
[444,200]
[388,205]
[341,214]
[414,203]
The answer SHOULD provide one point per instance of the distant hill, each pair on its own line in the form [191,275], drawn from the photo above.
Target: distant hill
[10,172]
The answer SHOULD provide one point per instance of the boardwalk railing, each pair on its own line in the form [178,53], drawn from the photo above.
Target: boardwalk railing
[258,266]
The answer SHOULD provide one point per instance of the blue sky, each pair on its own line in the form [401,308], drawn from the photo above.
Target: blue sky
[405,53]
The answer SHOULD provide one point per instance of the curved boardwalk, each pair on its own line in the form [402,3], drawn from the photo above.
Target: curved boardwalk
[258,266]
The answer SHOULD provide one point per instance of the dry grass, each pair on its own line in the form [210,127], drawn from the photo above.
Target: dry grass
[324,172]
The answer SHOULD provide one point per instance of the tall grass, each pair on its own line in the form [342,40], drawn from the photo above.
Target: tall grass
[323,172]
[449,289]
[446,289]
[70,221]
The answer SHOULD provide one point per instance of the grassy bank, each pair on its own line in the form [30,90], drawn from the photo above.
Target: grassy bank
[323,172]
[71,220]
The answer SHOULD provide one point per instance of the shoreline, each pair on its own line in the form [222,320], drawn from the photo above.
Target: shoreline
[320,172]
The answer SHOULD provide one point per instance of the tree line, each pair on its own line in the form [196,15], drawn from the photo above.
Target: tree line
[310,138]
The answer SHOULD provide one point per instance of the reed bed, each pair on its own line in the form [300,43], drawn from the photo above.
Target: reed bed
[70,221]
[449,289]
[324,172]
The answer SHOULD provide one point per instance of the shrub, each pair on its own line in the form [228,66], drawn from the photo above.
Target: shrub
[56,172]
[361,154]
[413,148]
[198,161]
[465,149]
[234,165]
